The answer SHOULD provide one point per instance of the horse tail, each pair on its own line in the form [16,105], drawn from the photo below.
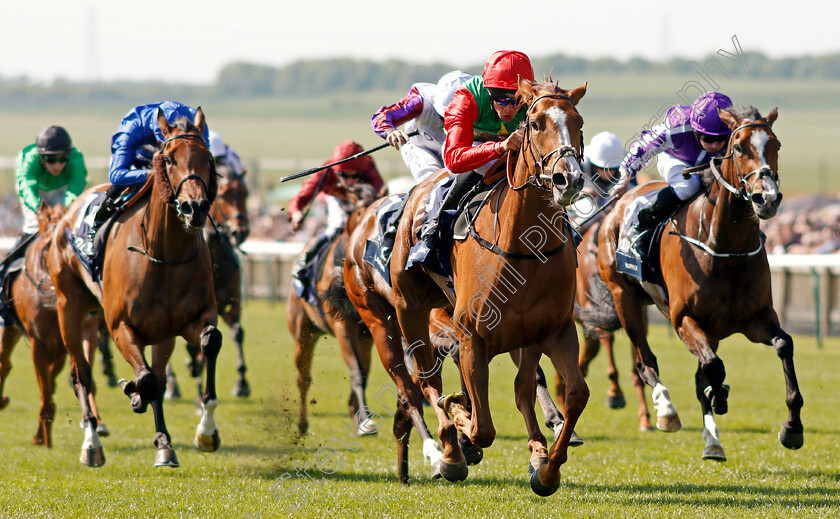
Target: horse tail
[337,303]
[602,315]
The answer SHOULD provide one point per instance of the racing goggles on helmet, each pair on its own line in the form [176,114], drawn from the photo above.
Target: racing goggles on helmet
[711,139]
[503,97]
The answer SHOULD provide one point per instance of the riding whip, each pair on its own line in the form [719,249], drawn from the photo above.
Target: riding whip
[599,211]
[325,166]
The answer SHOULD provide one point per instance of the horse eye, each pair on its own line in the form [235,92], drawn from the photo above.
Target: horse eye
[169,160]
[535,126]
[736,147]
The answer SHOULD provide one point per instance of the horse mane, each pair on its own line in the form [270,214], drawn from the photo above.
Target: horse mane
[744,112]
[159,175]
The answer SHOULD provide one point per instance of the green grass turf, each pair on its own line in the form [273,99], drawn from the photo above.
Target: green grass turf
[618,472]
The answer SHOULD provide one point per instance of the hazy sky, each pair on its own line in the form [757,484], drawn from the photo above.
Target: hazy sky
[189,41]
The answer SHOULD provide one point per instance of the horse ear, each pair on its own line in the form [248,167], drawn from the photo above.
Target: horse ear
[526,90]
[577,94]
[771,117]
[727,117]
[199,120]
[164,124]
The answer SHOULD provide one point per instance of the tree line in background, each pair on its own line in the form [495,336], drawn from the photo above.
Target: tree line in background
[318,77]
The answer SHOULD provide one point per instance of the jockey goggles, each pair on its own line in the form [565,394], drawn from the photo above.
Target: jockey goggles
[52,159]
[711,139]
[349,174]
[502,97]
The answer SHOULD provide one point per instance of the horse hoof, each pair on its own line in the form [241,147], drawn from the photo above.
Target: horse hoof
[208,443]
[616,402]
[668,423]
[473,454]
[791,440]
[242,389]
[166,458]
[435,472]
[173,392]
[446,402]
[4,401]
[714,452]
[138,405]
[102,430]
[647,428]
[575,440]
[367,428]
[93,456]
[540,489]
[454,471]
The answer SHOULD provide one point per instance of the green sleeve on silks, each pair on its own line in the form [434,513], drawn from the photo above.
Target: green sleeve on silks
[27,173]
[76,176]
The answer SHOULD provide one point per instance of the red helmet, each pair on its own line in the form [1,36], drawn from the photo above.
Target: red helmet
[504,67]
[346,149]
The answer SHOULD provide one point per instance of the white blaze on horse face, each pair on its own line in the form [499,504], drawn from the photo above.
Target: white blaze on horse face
[559,117]
[758,141]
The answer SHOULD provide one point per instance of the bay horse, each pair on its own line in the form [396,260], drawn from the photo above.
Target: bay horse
[230,228]
[157,283]
[490,315]
[591,297]
[334,315]
[33,299]
[713,267]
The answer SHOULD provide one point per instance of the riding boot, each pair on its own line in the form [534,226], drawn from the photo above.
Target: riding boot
[460,187]
[298,268]
[665,203]
[107,209]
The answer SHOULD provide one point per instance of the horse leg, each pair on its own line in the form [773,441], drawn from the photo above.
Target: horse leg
[767,331]
[348,339]
[711,365]
[103,340]
[415,327]
[402,432]
[525,391]
[632,316]
[207,433]
[173,390]
[90,344]
[231,316]
[42,362]
[8,340]
[165,456]
[305,338]
[563,350]
[472,453]
[475,373]
[711,434]
[643,413]
[196,365]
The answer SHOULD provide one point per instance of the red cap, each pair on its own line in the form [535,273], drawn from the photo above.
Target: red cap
[504,67]
[346,149]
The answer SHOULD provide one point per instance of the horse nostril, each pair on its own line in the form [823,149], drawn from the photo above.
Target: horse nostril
[559,180]
[186,208]
[204,206]
[757,199]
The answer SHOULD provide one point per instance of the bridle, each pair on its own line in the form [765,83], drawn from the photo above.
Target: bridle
[538,177]
[173,202]
[744,189]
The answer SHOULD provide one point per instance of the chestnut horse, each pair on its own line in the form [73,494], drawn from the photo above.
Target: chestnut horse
[33,298]
[229,217]
[337,317]
[157,283]
[591,296]
[491,316]
[714,268]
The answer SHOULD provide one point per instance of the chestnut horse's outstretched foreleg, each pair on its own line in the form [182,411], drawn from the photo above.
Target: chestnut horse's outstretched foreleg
[165,456]
[563,350]
[767,331]
[207,433]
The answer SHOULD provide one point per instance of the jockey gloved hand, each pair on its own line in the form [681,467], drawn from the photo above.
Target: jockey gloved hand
[296,218]
[397,138]
[513,142]
[620,187]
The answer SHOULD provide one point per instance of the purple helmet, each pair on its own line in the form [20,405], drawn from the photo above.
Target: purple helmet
[704,117]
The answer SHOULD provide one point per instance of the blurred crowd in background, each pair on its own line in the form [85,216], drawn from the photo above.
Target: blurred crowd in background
[805,224]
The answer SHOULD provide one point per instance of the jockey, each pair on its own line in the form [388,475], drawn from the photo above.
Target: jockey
[422,109]
[688,136]
[224,155]
[52,171]
[334,182]
[481,125]
[602,157]
[132,148]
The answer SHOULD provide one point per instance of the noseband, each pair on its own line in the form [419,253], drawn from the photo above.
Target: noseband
[744,189]
[176,191]
[538,178]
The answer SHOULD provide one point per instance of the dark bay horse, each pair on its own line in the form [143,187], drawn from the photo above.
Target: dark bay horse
[157,283]
[33,298]
[334,315]
[526,240]
[591,297]
[229,218]
[714,269]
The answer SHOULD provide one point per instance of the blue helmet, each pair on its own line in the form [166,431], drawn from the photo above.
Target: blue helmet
[704,114]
